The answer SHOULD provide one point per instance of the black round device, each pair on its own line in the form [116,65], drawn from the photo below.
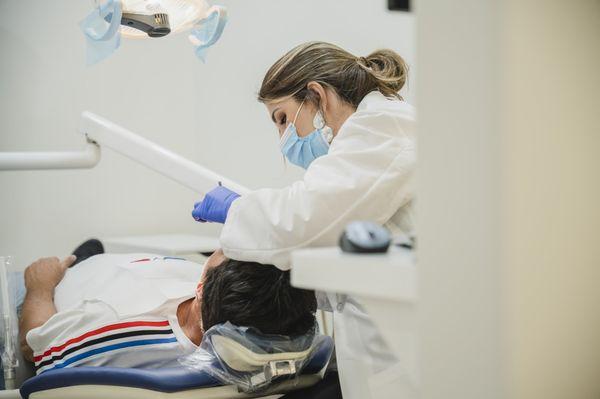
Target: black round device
[365,237]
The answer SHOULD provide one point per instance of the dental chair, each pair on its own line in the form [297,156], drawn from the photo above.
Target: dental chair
[183,382]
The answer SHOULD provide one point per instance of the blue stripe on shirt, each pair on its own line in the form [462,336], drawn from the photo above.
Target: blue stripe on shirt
[111,348]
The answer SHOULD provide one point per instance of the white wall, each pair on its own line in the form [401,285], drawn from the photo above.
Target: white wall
[458,197]
[206,112]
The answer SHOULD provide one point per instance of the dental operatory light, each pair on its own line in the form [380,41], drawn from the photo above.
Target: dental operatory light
[157,18]
[139,19]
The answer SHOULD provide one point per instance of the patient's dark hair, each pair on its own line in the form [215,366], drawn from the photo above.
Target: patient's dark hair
[254,295]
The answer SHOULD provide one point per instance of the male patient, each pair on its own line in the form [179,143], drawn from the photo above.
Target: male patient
[146,311]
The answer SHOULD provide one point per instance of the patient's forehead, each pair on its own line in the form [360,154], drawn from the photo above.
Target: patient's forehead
[215,259]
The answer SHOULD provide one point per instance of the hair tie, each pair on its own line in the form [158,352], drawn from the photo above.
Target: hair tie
[364,63]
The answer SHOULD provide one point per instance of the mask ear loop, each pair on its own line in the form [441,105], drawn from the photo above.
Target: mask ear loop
[298,112]
[294,123]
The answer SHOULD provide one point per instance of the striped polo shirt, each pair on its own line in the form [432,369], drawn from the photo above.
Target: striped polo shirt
[92,332]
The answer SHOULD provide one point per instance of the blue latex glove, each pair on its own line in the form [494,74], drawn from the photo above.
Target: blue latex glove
[215,205]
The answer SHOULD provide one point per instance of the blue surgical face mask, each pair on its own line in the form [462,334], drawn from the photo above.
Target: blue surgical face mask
[302,151]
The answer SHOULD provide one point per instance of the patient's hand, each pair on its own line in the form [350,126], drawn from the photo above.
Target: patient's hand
[41,277]
[45,274]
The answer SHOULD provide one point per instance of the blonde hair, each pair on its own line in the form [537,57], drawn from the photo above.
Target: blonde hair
[351,77]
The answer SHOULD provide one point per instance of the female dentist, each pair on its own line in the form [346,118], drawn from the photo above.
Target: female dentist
[341,118]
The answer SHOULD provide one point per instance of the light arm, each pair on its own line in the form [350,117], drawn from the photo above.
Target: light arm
[153,156]
[101,132]
[86,158]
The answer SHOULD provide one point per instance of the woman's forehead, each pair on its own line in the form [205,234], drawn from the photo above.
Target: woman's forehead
[284,103]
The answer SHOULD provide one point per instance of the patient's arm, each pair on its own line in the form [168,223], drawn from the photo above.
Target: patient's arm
[41,277]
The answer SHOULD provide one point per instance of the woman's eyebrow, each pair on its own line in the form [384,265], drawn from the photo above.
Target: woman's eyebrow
[273,114]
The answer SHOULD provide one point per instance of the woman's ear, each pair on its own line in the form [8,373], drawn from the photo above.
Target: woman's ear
[321,93]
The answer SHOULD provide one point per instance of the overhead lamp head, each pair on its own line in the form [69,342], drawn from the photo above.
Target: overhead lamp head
[111,19]
[157,18]
[154,25]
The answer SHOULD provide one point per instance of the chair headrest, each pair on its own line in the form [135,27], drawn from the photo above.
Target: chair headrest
[241,358]
[249,359]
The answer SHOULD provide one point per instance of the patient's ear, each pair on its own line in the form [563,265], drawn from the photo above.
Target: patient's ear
[199,289]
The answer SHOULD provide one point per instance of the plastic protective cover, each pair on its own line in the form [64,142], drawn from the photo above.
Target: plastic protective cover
[251,360]
[12,292]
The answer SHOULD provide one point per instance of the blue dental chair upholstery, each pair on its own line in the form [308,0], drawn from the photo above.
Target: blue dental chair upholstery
[97,382]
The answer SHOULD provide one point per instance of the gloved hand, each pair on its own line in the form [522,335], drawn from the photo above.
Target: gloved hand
[215,205]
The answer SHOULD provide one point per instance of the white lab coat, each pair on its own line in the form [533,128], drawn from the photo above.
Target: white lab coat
[367,175]
[368,369]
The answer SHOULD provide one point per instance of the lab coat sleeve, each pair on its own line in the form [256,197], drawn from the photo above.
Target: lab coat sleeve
[366,175]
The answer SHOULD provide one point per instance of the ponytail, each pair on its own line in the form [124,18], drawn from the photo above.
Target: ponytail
[351,77]
[388,69]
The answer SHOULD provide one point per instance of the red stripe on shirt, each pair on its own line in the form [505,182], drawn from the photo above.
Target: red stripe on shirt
[140,260]
[101,330]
